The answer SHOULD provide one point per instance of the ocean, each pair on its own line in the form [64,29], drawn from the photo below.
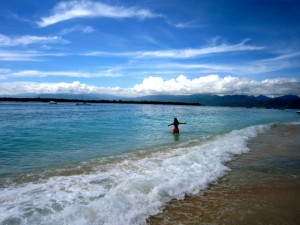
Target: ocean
[118,163]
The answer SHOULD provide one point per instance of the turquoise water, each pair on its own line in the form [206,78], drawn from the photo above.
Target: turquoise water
[114,163]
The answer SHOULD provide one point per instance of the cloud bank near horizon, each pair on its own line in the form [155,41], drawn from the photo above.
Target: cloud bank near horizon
[211,84]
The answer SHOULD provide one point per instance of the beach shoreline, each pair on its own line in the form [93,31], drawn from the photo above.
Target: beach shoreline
[263,186]
[74,165]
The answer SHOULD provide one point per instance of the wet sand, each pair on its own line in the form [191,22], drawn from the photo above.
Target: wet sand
[262,188]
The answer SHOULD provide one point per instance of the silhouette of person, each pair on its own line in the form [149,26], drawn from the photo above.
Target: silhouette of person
[176,124]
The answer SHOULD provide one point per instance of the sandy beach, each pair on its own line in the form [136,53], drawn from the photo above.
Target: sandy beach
[263,187]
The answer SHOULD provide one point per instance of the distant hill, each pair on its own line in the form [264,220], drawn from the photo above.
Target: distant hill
[283,102]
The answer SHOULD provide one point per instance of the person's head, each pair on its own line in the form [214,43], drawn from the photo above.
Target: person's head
[175,120]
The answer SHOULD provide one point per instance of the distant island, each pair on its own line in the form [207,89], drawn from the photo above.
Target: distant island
[56,100]
[261,101]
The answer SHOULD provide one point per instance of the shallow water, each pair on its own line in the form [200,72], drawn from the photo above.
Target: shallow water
[263,186]
[115,164]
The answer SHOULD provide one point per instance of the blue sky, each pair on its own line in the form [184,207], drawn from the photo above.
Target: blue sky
[142,47]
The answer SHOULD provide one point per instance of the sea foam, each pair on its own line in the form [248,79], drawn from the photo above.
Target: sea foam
[124,192]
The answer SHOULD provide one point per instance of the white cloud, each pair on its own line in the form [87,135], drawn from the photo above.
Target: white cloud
[212,84]
[28,40]
[78,28]
[38,73]
[25,55]
[111,54]
[257,67]
[276,63]
[186,25]
[17,56]
[12,88]
[181,53]
[68,10]
[190,53]
[290,55]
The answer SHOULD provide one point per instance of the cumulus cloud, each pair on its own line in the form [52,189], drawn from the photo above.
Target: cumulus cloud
[68,10]
[25,40]
[212,84]
[13,88]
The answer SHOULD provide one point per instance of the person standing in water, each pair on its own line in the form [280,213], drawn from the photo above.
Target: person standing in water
[176,124]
